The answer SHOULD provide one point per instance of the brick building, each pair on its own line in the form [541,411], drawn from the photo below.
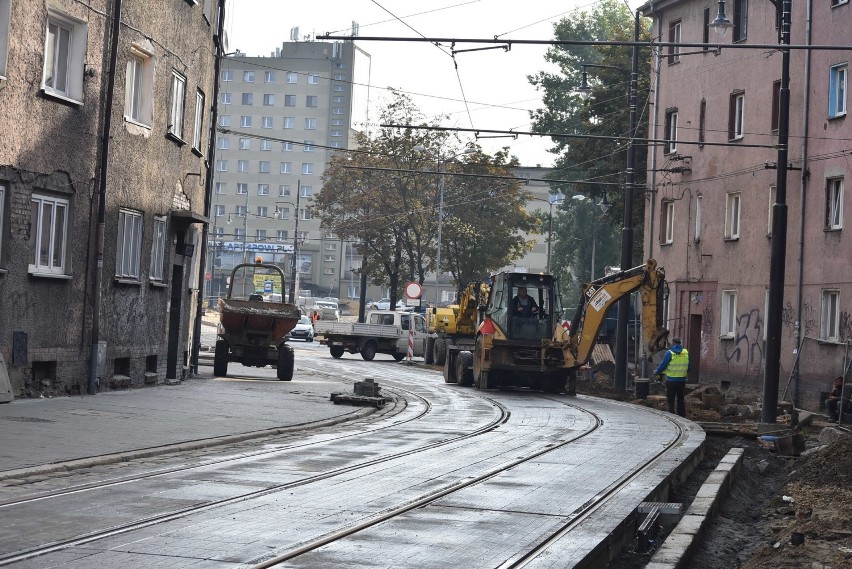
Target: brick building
[710,217]
[83,144]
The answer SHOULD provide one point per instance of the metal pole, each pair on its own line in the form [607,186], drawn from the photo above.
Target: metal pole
[440,226]
[779,234]
[245,229]
[295,244]
[594,240]
[549,237]
[627,227]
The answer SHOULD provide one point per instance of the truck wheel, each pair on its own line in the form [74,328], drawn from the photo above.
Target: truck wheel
[336,351]
[481,379]
[399,357]
[285,362]
[571,384]
[220,359]
[554,383]
[429,355]
[440,353]
[464,368]
[368,352]
[450,367]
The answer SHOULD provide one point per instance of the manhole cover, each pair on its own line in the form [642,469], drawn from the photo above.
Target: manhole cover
[28,420]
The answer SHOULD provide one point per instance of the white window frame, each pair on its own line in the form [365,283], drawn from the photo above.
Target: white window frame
[5,18]
[698,211]
[339,89]
[668,223]
[176,110]
[262,211]
[269,77]
[198,129]
[265,145]
[838,82]
[219,211]
[286,168]
[242,165]
[286,146]
[263,189]
[260,234]
[829,321]
[220,187]
[305,214]
[281,235]
[337,111]
[224,143]
[269,99]
[733,215]
[241,210]
[247,99]
[337,133]
[331,247]
[263,167]
[242,188]
[245,144]
[282,213]
[738,120]
[139,87]
[289,100]
[728,304]
[248,76]
[284,190]
[671,132]
[306,191]
[225,120]
[311,99]
[128,245]
[308,146]
[289,122]
[328,271]
[292,77]
[313,78]
[833,204]
[310,123]
[265,122]
[307,168]
[245,121]
[227,75]
[225,98]
[158,250]
[221,165]
[71,68]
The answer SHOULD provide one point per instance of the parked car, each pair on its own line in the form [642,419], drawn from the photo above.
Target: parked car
[328,310]
[384,304]
[304,330]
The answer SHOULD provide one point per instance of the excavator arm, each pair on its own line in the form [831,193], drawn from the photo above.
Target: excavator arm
[600,295]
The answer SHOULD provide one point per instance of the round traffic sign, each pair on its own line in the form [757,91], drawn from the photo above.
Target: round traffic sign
[413,290]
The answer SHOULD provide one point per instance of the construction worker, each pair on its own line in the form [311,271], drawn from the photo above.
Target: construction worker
[675,366]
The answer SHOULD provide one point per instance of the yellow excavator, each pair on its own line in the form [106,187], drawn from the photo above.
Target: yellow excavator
[523,340]
[452,330]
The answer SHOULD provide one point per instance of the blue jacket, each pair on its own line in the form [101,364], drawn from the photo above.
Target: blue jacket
[677,349]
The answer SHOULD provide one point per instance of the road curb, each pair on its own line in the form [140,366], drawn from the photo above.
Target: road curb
[113,458]
[676,550]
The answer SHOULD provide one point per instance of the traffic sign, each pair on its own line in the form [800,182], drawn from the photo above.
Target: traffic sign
[413,290]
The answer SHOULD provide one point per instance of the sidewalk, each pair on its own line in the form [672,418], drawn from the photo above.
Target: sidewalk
[48,435]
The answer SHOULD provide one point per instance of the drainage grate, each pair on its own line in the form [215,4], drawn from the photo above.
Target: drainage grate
[27,420]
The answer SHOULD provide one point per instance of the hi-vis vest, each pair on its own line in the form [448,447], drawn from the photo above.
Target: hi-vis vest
[679,364]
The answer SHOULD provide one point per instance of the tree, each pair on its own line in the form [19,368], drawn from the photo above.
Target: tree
[385,195]
[605,113]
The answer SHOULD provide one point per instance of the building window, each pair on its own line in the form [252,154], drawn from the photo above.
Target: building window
[740,20]
[224,120]
[158,250]
[311,101]
[729,313]
[336,122]
[667,222]
[245,121]
[329,259]
[128,244]
[218,232]
[138,103]
[698,204]
[245,144]
[732,215]
[248,76]
[241,210]
[336,144]
[286,167]
[337,111]
[239,234]
[289,100]
[242,188]
[674,37]
[281,235]
[220,187]
[308,146]
[307,168]
[219,211]
[313,79]
[670,136]
[302,236]
[306,191]
[269,100]
[287,146]
[292,77]
[248,99]
[263,189]
[336,133]
[266,144]
[310,124]
[305,214]
[224,143]
[269,77]
[736,116]
[289,122]
[197,132]
[339,77]
[5,17]
[262,211]
[242,165]
[228,75]
[830,316]
[225,98]
[834,204]
[64,56]
[283,212]
[221,165]
[263,167]
[331,247]
[338,88]
[328,271]
[837,90]
[337,99]
[260,235]
[266,122]
[176,112]
[283,190]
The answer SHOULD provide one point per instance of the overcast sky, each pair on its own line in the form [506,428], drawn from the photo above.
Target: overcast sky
[493,83]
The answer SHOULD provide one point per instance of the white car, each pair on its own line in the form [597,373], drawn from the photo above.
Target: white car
[384,304]
[328,310]
[304,330]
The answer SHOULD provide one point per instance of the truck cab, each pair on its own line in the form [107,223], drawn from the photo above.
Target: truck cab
[533,319]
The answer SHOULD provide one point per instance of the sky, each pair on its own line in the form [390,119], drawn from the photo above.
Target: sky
[489,90]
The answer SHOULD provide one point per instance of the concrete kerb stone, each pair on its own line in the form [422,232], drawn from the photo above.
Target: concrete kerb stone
[675,551]
[127,456]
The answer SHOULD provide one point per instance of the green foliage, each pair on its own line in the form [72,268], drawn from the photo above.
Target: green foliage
[605,113]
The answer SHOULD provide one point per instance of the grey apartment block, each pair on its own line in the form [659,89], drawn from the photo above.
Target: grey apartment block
[709,218]
[280,119]
[54,108]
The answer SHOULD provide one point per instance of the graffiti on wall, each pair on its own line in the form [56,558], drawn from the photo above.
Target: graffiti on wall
[747,347]
[845,326]
[810,319]
[706,331]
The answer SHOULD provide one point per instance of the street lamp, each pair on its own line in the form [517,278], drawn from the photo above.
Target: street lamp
[442,162]
[604,205]
[779,216]
[292,294]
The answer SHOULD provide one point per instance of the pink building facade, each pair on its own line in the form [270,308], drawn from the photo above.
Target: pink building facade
[712,182]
